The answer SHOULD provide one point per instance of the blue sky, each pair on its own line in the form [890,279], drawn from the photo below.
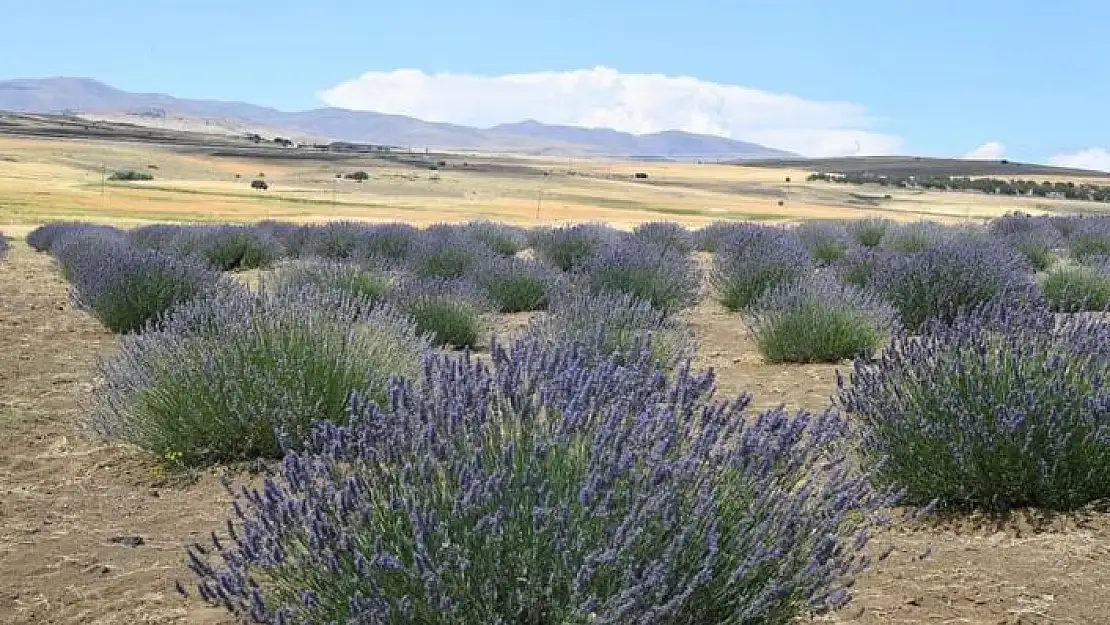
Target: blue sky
[936,79]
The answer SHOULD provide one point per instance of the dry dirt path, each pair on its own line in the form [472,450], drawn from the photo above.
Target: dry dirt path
[70,505]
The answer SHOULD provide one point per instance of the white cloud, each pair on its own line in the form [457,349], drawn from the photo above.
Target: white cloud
[1091,158]
[990,151]
[637,103]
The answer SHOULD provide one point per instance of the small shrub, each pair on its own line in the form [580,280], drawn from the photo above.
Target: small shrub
[827,241]
[130,175]
[128,288]
[665,237]
[445,254]
[668,282]
[81,248]
[819,320]
[542,489]
[229,248]
[516,285]
[227,375]
[42,239]
[350,279]
[501,239]
[996,410]
[3,245]
[858,267]
[869,232]
[613,325]
[337,240]
[1079,288]
[388,245]
[914,237]
[1034,237]
[1088,245]
[949,278]
[448,311]
[571,247]
[157,237]
[755,260]
[709,238]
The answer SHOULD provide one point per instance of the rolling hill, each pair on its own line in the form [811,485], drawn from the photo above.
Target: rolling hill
[90,97]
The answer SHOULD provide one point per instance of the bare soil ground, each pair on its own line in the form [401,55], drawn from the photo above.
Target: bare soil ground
[72,508]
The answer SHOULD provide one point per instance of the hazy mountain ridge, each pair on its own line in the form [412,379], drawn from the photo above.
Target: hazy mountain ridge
[52,95]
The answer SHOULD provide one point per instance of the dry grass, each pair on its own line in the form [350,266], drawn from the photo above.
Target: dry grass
[65,497]
[42,180]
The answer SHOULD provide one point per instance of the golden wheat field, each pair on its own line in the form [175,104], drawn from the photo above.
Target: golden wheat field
[95,533]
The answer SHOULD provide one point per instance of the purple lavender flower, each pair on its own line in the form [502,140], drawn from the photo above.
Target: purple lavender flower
[827,241]
[613,325]
[230,376]
[571,247]
[755,259]
[516,284]
[449,311]
[43,238]
[543,489]
[667,280]
[1000,408]
[951,277]
[129,289]
[818,319]
[665,237]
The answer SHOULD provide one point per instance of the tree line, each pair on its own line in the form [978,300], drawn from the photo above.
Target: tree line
[996,186]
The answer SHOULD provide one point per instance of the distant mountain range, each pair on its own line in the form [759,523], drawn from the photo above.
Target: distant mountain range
[90,97]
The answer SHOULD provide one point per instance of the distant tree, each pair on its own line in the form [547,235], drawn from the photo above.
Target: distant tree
[129,174]
[259,184]
[358,176]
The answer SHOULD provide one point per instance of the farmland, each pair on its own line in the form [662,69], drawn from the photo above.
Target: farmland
[103,488]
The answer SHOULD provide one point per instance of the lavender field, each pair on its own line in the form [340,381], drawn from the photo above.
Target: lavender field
[349,422]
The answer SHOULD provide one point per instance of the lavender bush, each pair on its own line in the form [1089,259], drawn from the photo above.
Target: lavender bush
[754,260]
[128,289]
[337,240]
[1035,237]
[998,409]
[859,265]
[668,281]
[1091,241]
[870,231]
[818,319]
[43,238]
[542,489]
[613,325]
[448,311]
[388,245]
[157,237]
[516,285]
[445,253]
[76,249]
[827,241]
[571,247]
[710,237]
[500,239]
[914,237]
[665,237]
[227,377]
[1077,288]
[951,277]
[229,247]
[352,279]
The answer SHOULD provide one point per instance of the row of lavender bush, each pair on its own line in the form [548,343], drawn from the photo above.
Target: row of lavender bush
[587,474]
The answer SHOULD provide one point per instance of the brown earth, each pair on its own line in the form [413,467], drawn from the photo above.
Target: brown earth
[69,503]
